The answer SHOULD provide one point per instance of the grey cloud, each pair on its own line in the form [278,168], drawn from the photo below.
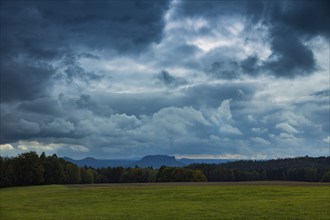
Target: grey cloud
[50,114]
[215,125]
[224,70]
[223,63]
[318,113]
[290,56]
[195,96]
[37,33]
[119,24]
[58,126]
[250,65]
[84,101]
[88,56]
[74,71]
[45,106]
[212,95]
[309,18]
[323,93]
[50,46]
[289,24]
[24,80]
[211,8]
[169,80]
[28,127]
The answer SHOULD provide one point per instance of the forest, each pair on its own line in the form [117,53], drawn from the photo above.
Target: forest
[33,169]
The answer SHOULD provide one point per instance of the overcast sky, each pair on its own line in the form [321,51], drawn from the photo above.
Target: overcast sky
[199,79]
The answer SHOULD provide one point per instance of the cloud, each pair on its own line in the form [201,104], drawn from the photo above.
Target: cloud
[259,130]
[290,57]
[6,147]
[51,32]
[228,129]
[224,109]
[224,70]
[290,24]
[250,65]
[125,25]
[287,128]
[28,127]
[285,25]
[222,118]
[167,79]
[307,18]
[49,148]
[58,126]
[129,78]
[7,150]
[24,80]
[327,139]
[260,141]
[44,106]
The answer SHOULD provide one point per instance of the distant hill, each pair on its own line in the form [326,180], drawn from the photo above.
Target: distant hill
[157,161]
[187,161]
[96,163]
[154,161]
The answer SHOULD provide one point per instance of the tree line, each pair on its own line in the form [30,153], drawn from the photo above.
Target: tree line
[306,168]
[32,169]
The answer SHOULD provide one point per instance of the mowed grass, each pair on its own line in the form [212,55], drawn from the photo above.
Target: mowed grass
[167,201]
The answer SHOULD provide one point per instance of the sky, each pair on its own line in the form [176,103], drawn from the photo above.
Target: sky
[197,79]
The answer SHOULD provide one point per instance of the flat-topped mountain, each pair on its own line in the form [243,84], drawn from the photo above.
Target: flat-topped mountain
[96,163]
[154,161]
[157,161]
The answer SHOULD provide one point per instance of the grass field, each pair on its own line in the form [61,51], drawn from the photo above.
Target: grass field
[264,200]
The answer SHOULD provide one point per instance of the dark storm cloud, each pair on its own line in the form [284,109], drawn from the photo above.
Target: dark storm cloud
[308,18]
[123,25]
[290,23]
[36,33]
[73,117]
[290,56]
[83,76]
[211,8]
[23,80]
[250,65]
[45,106]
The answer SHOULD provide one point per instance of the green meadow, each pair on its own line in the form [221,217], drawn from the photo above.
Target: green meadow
[269,200]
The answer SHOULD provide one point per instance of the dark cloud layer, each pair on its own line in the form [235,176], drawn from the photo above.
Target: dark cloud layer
[123,25]
[289,23]
[24,80]
[308,18]
[292,22]
[37,33]
[290,56]
[129,78]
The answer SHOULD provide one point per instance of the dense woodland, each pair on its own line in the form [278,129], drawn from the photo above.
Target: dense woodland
[294,169]
[32,169]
